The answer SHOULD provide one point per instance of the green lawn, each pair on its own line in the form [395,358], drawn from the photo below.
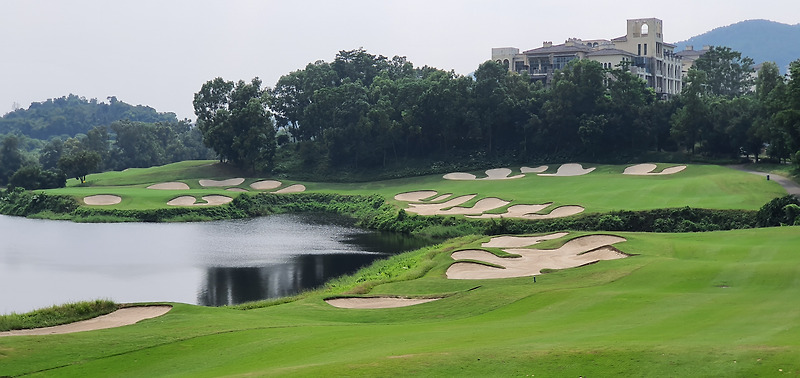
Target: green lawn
[605,189]
[700,304]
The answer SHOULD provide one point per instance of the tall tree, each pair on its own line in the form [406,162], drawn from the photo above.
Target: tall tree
[235,122]
[728,73]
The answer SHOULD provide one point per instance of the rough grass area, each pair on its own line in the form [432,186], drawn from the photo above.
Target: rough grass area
[698,304]
[56,315]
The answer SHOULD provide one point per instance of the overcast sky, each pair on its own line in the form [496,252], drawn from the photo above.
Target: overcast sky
[160,52]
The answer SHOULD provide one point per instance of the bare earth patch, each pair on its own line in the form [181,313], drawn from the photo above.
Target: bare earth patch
[169,186]
[216,183]
[102,200]
[377,302]
[212,200]
[119,318]
[296,188]
[571,169]
[647,170]
[576,252]
[265,184]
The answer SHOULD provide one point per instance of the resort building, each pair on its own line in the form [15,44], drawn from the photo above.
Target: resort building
[642,49]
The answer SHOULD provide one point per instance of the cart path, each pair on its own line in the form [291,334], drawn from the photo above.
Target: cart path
[790,186]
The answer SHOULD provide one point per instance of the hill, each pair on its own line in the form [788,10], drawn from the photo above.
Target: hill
[762,40]
[72,115]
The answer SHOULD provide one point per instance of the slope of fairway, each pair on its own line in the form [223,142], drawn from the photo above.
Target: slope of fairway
[604,189]
[702,304]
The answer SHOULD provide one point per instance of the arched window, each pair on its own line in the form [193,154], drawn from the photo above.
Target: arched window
[505,62]
[645,29]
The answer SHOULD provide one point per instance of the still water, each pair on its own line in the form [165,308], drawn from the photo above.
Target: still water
[208,263]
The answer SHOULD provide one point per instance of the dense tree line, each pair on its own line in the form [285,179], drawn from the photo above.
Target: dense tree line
[72,115]
[84,136]
[363,110]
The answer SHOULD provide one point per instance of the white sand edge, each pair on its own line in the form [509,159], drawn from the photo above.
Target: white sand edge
[416,196]
[296,188]
[265,184]
[102,200]
[173,185]
[571,169]
[119,318]
[376,302]
[228,182]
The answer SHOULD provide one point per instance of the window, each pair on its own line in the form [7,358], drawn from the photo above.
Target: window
[645,29]
[645,49]
[640,50]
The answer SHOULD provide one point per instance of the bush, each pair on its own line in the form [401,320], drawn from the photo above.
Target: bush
[774,212]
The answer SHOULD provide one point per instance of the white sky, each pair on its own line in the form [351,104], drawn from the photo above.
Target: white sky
[160,52]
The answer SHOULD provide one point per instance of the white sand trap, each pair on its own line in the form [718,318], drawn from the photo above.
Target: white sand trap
[515,211]
[459,176]
[480,207]
[647,170]
[417,196]
[559,212]
[169,186]
[571,169]
[500,174]
[265,184]
[102,200]
[491,174]
[441,198]
[576,252]
[236,190]
[296,188]
[520,241]
[436,208]
[119,318]
[538,169]
[212,200]
[228,182]
[378,302]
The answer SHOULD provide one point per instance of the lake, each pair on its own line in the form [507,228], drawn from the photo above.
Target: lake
[44,262]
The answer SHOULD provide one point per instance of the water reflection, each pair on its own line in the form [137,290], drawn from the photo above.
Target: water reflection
[209,263]
[238,285]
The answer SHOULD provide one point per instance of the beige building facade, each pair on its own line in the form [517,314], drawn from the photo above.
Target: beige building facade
[642,49]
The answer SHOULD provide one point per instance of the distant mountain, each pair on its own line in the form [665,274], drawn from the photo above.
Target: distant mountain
[761,40]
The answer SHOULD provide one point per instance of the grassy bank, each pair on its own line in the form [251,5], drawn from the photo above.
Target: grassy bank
[696,304]
[56,315]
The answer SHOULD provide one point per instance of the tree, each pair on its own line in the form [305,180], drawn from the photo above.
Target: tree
[10,158]
[728,73]
[33,177]
[235,122]
[79,164]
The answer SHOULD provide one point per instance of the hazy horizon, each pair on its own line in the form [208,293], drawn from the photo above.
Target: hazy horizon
[159,54]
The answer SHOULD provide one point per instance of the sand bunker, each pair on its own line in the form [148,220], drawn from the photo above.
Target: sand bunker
[119,318]
[296,188]
[228,182]
[451,207]
[576,252]
[236,190]
[491,174]
[265,184]
[538,169]
[102,200]
[169,186]
[571,169]
[415,196]
[647,170]
[212,200]
[378,302]
[520,241]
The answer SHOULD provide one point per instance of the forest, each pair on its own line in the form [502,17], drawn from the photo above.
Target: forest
[364,112]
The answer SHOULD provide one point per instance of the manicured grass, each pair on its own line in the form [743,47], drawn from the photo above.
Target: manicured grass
[606,189]
[700,304]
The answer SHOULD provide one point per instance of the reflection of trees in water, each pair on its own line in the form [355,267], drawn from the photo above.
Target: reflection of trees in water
[224,285]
